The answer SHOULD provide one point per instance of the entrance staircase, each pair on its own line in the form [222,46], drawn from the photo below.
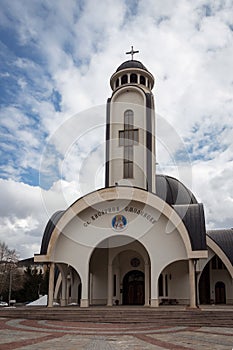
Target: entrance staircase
[169,316]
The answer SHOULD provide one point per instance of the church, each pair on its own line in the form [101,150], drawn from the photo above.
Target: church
[140,240]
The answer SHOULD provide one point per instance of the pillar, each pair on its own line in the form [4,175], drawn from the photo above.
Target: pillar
[118,295]
[51,284]
[154,289]
[84,302]
[63,271]
[74,287]
[192,285]
[110,285]
[147,284]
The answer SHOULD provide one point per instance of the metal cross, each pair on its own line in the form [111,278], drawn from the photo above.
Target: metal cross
[132,52]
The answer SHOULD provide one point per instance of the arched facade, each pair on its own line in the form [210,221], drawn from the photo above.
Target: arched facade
[141,240]
[152,227]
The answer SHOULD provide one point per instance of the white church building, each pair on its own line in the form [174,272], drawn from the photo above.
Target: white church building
[140,240]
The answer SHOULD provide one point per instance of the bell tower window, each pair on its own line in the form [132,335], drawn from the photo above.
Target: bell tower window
[124,79]
[142,80]
[128,138]
[133,78]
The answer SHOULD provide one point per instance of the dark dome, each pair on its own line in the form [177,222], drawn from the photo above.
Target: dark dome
[131,64]
[173,191]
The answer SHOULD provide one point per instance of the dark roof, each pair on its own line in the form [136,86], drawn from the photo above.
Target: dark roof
[193,218]
[26,262]
[173,191]
[224,239]
[49,229]
[131,64]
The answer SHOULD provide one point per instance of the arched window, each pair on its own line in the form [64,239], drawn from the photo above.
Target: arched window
[117,82]
[133,78]
[128,119]
[142,80]
[124,79]
[128,138]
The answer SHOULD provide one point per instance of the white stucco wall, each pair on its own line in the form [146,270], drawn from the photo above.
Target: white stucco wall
[129,98]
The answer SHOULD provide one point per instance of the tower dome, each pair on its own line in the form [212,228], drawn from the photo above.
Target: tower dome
[132,72]
[131,64]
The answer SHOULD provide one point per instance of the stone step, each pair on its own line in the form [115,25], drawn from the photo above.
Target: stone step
[158,317]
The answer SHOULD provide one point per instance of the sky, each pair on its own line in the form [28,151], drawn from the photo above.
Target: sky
[56,59]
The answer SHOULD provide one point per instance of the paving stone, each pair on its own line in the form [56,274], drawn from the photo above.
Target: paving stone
[42,334]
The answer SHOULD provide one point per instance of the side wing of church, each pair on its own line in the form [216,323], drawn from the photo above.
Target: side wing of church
[141,240]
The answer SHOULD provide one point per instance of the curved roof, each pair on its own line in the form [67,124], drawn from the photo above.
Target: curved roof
[193,218]
[131,64]
[224,239]
[173,191]
[49,229]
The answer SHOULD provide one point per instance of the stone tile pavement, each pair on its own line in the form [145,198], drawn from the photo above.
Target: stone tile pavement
[27,334]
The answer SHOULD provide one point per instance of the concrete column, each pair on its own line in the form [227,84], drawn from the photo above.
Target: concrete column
[192,285]
[147,284]
[84,302]
[118,295]
[91,288]
[74,287]
[51,285]
[154,290]
[63,286]
[110,285]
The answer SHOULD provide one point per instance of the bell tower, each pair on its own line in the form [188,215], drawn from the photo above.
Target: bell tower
[130,130]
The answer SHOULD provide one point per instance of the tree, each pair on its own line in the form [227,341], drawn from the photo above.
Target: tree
[8,265]
[33,285]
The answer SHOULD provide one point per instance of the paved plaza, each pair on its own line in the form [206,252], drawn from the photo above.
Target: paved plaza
[25,334]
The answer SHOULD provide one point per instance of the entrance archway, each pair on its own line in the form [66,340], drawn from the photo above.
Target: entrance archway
[134,288]
[220,293]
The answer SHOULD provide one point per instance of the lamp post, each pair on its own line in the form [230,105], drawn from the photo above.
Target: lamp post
[10,286]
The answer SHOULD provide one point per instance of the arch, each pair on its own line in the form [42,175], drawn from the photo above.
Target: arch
[117,83]
[128,119]
[173,287]
[220,293]
[134,288]
[133,78]
[220,253]
[118,92]
[142,80]
[109,262]
[123,192]
[124,79]
[67,285]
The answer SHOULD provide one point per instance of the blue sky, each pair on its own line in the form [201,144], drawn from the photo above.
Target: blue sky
[56,59]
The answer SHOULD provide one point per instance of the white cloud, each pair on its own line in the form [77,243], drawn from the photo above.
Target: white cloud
[74,49]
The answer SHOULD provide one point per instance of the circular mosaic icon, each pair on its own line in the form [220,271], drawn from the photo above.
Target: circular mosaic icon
[119,222]
[135,262]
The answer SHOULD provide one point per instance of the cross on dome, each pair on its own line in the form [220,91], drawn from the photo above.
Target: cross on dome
[132,52]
